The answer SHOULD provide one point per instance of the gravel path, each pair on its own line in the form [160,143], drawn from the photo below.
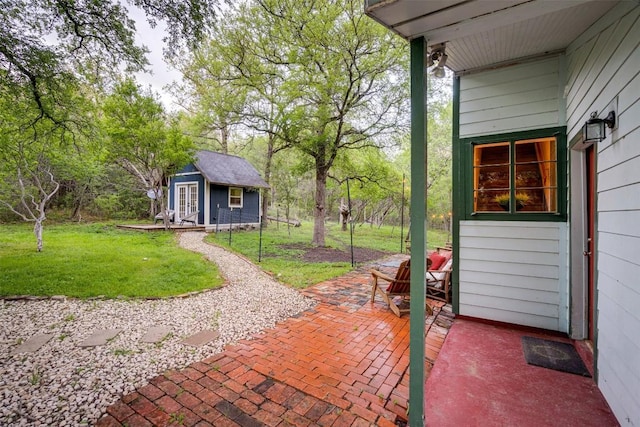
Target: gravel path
[65,385]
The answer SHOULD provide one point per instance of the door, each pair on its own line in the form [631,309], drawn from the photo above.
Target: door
[187,195]
[589,250]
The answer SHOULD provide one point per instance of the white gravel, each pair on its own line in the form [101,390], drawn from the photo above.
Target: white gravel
[65,385]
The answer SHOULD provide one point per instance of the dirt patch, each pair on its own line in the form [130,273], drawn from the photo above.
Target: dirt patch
[337,255]
[309,253]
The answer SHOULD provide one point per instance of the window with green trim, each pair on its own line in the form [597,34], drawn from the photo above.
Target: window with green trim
[515,176]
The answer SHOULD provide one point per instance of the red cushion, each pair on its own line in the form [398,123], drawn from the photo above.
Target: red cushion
[446,255]
[437,261]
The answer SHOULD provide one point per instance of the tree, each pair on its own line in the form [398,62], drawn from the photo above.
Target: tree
[320,77]
[45,42]
[375,184]
[28,160]
[139,139]
[215,105]
[52,55]
[222,93]
[30,185]
[439,137]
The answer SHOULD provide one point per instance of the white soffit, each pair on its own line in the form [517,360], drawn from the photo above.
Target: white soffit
[479,33]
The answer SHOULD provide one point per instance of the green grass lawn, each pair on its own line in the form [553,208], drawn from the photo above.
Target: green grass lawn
[282,248]
[98,259]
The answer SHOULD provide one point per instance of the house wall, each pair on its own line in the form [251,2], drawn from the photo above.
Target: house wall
[604,73]
[519,97]
[250,212]
[514,272]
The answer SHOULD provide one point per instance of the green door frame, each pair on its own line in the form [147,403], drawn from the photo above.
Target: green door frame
[418,231]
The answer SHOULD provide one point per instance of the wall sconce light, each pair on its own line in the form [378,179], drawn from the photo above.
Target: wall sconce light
[438,57]
[594,128]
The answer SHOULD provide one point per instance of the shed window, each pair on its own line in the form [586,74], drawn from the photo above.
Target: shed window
[516,176]
[235,197]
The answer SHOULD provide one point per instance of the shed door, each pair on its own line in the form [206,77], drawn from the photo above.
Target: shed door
[187,199]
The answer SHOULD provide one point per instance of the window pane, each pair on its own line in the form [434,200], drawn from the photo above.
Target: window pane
[235,197]
[536,175]
[491,171]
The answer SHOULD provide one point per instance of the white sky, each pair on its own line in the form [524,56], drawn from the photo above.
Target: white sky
[162,74]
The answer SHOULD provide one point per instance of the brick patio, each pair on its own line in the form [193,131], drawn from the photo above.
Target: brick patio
[344,363]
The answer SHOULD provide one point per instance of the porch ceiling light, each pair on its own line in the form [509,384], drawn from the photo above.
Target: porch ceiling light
[594,128]
[438,57]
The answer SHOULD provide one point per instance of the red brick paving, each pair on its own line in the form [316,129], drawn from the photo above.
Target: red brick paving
[343,363]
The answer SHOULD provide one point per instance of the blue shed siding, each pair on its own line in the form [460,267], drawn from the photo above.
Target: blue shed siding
[219,203]
[252,204]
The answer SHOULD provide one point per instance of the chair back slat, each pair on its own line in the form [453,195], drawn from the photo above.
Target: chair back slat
[404,270]
[401,283]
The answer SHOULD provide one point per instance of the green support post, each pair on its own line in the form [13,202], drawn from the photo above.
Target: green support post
[418,231]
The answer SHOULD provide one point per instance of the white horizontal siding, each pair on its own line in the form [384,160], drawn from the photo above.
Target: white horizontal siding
[604,73]
[513,272]
[515,98]
[601,68]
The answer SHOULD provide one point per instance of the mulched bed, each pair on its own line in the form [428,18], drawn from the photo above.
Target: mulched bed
[318,254]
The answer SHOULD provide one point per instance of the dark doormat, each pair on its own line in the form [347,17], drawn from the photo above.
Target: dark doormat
[556,355]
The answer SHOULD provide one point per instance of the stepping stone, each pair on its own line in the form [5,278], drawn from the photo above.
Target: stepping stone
[201,338]
[100,337]
[155,334]
[33,344]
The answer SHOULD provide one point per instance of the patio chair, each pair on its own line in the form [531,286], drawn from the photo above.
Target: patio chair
[160,216]
[192,218]
[439,278]
[396,291]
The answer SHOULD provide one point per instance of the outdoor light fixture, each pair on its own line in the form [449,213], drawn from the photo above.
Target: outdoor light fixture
[439,59]
[594,128]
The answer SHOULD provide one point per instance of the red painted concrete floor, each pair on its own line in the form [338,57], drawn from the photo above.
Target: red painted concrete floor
[345,363]
[482,379]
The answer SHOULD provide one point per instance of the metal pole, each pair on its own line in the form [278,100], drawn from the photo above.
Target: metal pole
[217,218]
[260,244]
[353,263]
[230,224]
[402,216]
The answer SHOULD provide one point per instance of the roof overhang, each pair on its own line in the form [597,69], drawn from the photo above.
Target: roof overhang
[481,33]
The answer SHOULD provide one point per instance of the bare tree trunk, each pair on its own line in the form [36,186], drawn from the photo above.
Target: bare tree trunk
[34,209]
[161,200]
[344,214]
[78,202]
[319,211]
[224,139]
[37,230]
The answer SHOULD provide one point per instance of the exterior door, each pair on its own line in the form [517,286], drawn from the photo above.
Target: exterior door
[589,251]
[187,195]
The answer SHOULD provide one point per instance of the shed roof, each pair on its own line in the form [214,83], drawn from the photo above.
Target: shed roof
[225,169]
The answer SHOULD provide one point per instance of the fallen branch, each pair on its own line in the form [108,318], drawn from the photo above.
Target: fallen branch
[293,222]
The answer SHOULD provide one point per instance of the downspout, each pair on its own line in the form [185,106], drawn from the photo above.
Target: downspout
[418,231]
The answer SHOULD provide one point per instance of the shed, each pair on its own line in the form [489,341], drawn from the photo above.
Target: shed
[224,191]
